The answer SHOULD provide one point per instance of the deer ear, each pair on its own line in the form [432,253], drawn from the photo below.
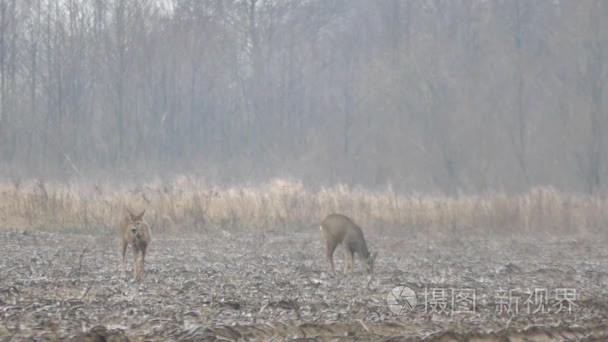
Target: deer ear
[141,215]
[130,214]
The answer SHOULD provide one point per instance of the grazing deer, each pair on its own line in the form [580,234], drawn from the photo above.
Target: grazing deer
[337,229]
[135,231]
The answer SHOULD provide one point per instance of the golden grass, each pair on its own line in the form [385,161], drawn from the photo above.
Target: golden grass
[189,204]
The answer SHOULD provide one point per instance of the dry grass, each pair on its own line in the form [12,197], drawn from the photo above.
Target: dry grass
[188,204]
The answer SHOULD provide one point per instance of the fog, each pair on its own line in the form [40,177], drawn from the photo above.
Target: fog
[455,149]
[449,96]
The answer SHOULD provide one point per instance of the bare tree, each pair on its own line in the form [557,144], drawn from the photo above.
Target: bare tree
[443,95]
[592,160]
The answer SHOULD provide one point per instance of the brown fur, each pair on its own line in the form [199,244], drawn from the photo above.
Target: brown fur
[134,231]
[339,229]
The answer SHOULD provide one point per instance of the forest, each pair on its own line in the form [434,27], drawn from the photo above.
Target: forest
[449,97]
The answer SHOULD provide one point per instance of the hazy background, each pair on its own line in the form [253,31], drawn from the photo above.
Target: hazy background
[445,95]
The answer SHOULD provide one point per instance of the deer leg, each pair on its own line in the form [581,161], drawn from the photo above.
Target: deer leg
[348,259]
[135,262]
[141,263]
[331,247]
[123,246]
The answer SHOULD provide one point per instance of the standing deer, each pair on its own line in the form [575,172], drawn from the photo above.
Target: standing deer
[134,231]
[337,229]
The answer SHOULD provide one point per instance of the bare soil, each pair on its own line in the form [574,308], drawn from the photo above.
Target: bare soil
[274,286]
